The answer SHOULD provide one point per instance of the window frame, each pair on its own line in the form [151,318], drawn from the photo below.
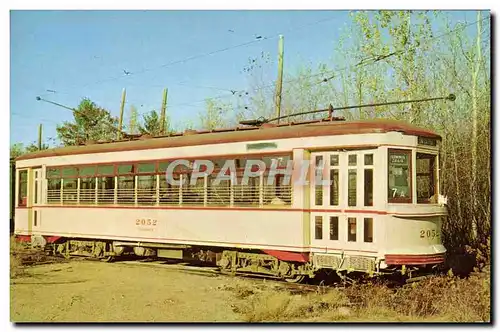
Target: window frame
[433,173]
[318,227]
[20,202]
[349,238]
[398,200]
[337,228]
[370,222]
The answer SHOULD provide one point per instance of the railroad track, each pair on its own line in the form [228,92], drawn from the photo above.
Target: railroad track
[311,285]
[214,271]
[314,285]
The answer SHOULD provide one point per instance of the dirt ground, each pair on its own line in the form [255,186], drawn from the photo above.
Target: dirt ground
[50,289]
[85,291]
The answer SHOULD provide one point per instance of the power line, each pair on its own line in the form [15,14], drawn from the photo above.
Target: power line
[202,55]
[363,63]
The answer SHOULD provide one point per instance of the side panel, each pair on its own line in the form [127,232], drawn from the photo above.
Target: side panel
[21,221]
[414,235]
[245,229]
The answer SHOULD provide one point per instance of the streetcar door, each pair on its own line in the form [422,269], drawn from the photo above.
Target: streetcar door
[342,201]
[326,198]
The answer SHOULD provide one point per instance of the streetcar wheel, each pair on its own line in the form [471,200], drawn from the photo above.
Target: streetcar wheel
[296,279]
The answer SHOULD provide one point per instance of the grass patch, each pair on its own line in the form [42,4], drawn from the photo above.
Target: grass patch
[23,256]
[437,299]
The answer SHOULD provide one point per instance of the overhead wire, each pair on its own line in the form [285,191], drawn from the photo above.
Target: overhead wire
[365,62]
[198,56]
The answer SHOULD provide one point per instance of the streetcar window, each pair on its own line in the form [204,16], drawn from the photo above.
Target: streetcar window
[369,159]
[87,171]
[399,189]
[334,187]
[179,168]
[194,194]
[169,194]
[276,193]
[318,227]
[126,190]
[334,228]
[105,170]
[242,162]
[319,186]
[53,190]
[218,163]
[368,199]
[351,229]
[87,189]
[319,161]
[106,189]
[334,160]
[146,189]
[53,173]
[217,194]
[162,167]
[70,190]
[368,230]
[23,188]
[269,191]
[146,168]
[246,194]
[125,169]
[426,175]
[69,172]
[352,160]
[351,199]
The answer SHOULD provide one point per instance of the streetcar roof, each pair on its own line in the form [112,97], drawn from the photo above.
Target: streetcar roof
[241,134]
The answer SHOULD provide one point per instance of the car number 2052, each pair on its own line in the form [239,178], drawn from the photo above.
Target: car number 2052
[427,233]
[146,222]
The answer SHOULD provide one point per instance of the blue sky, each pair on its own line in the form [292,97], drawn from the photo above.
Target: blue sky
[83,54]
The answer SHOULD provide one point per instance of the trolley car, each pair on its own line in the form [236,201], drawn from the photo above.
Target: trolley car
[378,211]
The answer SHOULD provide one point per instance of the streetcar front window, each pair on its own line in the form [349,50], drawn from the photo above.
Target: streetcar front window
[399,189]
[426,178]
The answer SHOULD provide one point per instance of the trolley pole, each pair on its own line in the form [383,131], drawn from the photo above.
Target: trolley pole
[163,111]
[122,106]
[279,82]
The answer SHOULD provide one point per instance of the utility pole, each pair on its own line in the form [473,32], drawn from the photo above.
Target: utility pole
[279,82]
[122,106]
[39,137]
[163,111]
